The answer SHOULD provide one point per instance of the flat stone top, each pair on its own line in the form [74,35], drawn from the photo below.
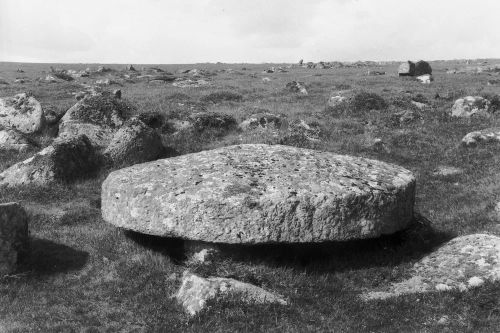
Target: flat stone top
[260,193]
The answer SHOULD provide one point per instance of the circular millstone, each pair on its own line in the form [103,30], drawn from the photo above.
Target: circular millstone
[261,194]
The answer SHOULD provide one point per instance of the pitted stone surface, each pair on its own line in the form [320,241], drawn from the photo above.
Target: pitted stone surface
[21,112]
[13,236]
[463,263]
[195,291]
[260,193]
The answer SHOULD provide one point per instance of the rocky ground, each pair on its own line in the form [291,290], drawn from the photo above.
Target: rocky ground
[66,130]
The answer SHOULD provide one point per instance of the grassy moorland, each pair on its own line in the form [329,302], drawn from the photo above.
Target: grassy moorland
[84,275]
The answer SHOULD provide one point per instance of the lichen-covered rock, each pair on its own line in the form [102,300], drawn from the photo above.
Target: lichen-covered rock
[260,193]
[263,120]
[13,236]
[487,135]
[135,142]
[202,121]
[195,291]
[21,112]
[13,140]
[297,87]
[406,69]
[97,116]
[425,79]
[463,263]
[470,106]
[65,160]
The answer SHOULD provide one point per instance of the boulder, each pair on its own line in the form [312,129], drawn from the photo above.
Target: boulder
[14,235]
[195,291]
[96,116]
[488,135]
[338,98]
[406,69]
[65,160]
[130,68]
[297,87]
[263,120]
[257,193]
[203,121]
[422,68]
[426,78]
[133,143]
[13,140]
[22,112]
[469,106]
[461,264]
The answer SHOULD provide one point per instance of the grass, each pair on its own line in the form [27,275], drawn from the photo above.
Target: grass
[84,274]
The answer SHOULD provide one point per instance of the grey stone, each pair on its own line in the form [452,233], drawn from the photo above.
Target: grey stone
[133,143]
[97,116]
[463,263]
[261,194]
[21,112]
[65,160]
[195,291]
[13,140]
[13,236]
[485,136]
[406,69]
[422,68]
[297,87]
[469,106]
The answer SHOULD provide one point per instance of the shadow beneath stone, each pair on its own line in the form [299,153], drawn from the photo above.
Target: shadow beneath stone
[404,246]
[46,257]
[172,247]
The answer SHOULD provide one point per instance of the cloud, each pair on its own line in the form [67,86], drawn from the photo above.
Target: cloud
[184,31]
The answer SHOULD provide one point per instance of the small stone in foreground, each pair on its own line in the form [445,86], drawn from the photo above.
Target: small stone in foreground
[461,264]
[13,236]
[195,291]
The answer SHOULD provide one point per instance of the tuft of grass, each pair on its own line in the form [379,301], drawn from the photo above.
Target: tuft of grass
[222,96]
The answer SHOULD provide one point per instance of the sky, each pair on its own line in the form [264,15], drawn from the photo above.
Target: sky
[246,31]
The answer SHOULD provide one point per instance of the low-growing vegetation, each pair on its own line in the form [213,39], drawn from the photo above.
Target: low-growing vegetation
[83,274]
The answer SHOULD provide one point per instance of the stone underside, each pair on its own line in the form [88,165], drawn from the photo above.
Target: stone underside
[261,194]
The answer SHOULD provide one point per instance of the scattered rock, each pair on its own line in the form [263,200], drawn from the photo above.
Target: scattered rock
[406,69]
[447,171]
[339,98]
[469,106]
[189,83]
[195,291]
[420,106]
[22,112]
[374,73]
[297,87]
[488,135]
[117,93]
[461,264]
[261,194]
[133,143]
[13,140]
[261,121]
[14,241]
[201,121]
[98,117]
[20,81]
[64,160]
[426,78]
[130,68]
[51,79]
